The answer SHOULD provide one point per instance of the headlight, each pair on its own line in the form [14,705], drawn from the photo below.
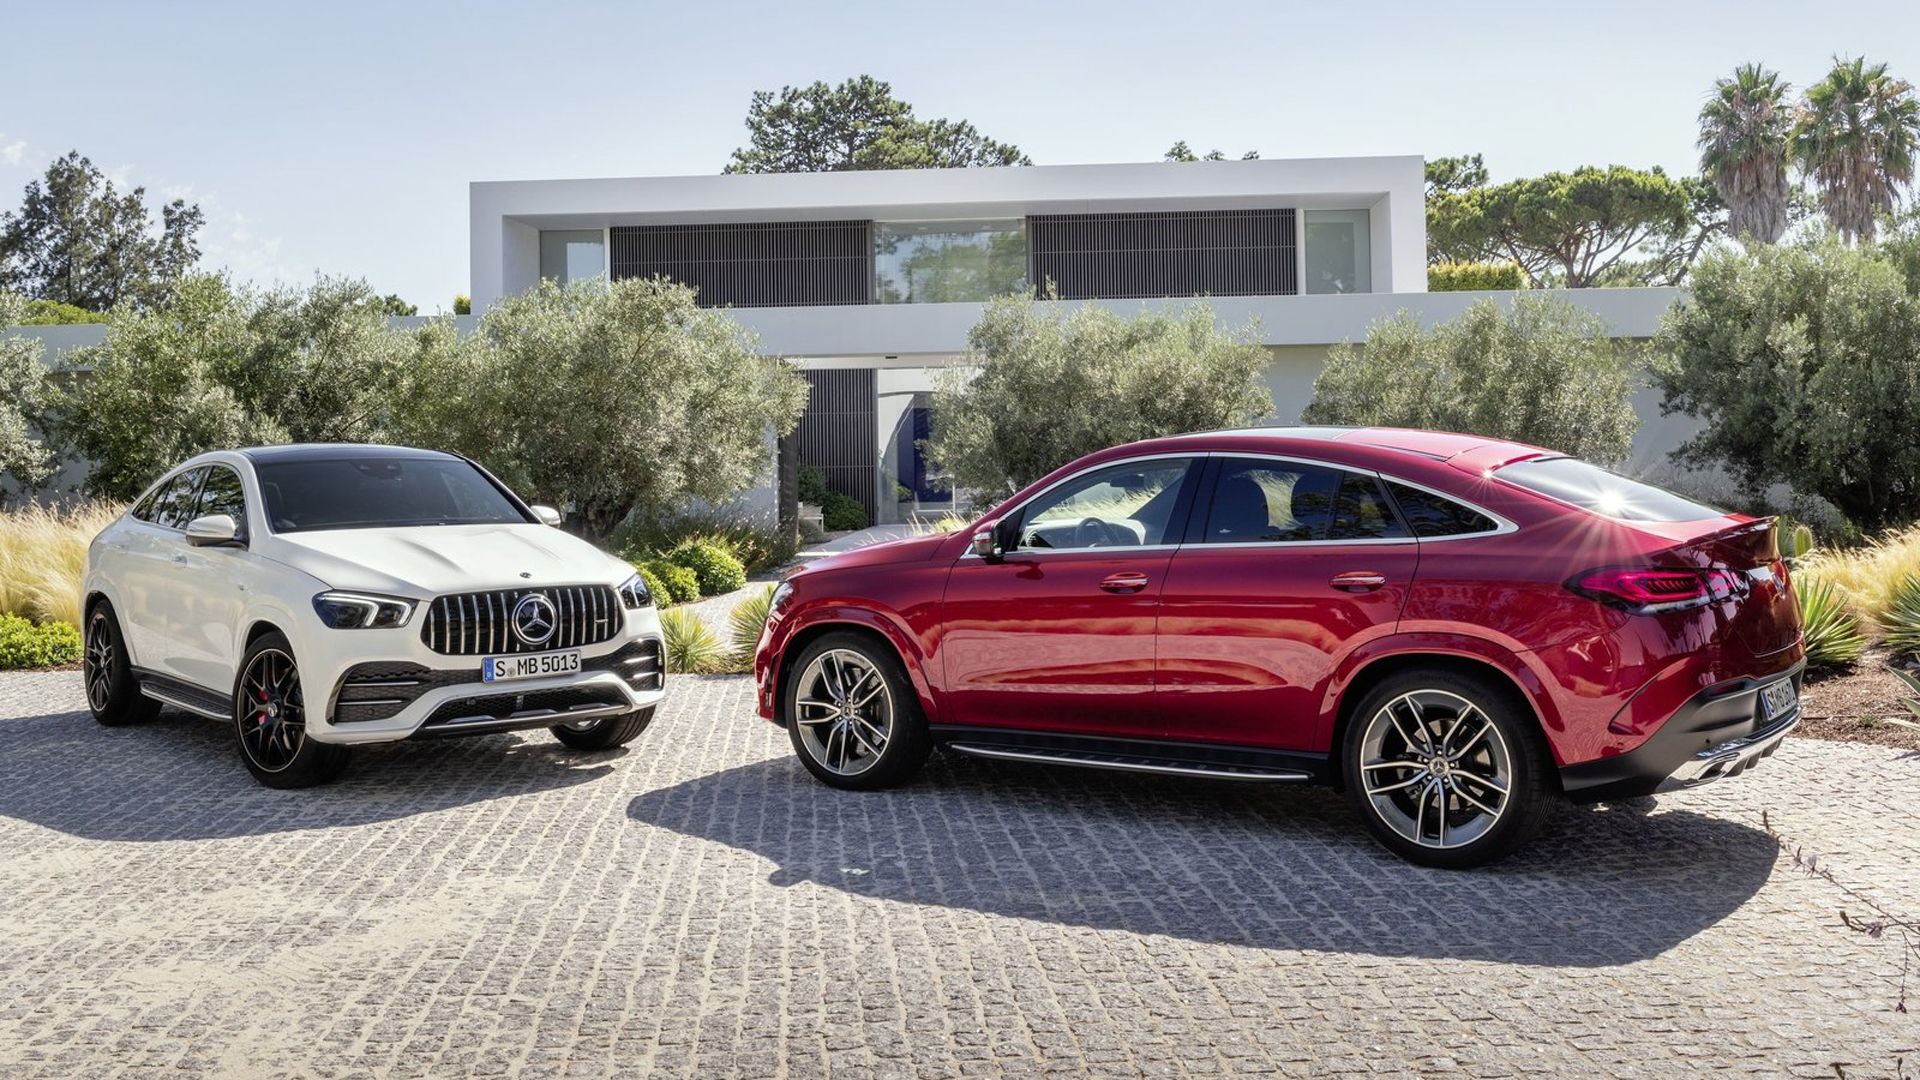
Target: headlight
[358,611]
[634,592]
[782,596]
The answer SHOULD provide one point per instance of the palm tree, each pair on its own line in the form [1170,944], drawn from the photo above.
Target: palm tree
[1743,150]
[1855,138]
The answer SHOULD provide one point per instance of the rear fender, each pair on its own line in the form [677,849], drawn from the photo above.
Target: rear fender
[1519,669]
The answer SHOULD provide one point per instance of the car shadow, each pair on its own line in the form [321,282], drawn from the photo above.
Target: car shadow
[1269,866]
[179,777]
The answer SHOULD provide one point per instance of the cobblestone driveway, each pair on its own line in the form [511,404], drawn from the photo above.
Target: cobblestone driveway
[697,906]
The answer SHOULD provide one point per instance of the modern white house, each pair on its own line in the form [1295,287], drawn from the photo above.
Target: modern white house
[871,280]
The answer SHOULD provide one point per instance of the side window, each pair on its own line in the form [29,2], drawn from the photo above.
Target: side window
[222,494]
[143,510]
[1361,512]
[1434,515]
[1122,506]
[1261,501]
[174,506]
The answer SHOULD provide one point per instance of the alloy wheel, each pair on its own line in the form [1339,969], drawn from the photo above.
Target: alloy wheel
[271,713]
[99,662]
[843,712]
[1436,768]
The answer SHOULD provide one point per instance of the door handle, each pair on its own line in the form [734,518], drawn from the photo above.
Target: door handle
[1358,580]
[1124,583]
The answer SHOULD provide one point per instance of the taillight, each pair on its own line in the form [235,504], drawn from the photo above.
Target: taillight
[1649,591]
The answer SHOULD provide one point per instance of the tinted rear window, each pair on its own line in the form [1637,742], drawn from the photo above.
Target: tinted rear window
[1591,487]
[372,493]
[1434,515]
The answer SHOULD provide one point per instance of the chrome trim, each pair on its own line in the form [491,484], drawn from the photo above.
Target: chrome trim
[1090,760]
[178,703]
[575,713]
[372,701]
[1505,526]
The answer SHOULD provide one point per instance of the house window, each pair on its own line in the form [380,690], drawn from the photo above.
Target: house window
[573,254]
[944,262]
[1339,252]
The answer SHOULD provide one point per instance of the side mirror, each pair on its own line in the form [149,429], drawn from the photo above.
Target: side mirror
[984,543]
[213,530]
[547,514]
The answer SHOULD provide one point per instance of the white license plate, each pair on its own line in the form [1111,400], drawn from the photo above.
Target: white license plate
[532,666]
[1778,699]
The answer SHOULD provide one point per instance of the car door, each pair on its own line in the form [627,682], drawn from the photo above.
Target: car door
[212,585]
[1287,566]
[1057,635]
[155,556]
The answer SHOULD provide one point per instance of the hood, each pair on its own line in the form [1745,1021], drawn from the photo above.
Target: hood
[427,561]
[905,549]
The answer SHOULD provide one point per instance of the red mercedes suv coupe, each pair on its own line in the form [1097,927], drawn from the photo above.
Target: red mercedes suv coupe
[1457,631]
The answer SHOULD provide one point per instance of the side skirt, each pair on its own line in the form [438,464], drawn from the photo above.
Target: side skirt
[1164,757]
[184,695]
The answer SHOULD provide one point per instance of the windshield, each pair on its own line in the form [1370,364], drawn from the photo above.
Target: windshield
[1591,487]
[382,492]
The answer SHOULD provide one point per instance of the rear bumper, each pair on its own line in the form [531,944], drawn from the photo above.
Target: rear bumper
[1718,733]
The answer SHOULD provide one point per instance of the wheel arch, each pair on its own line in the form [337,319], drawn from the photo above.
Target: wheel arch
[868,625]
[1517,681]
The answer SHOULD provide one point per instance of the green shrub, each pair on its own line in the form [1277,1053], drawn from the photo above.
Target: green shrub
[1468,276]
[1834,638]
[26,644]
[757,544]
[1900,623]
[748,619]
[813,485]
[54,313]
[717,570]
[662,596]
[812,532]
[692,649]
[842,513]
[678,584]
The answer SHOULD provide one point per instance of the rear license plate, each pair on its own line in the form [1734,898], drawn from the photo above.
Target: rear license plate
[1778,699]
[535,666]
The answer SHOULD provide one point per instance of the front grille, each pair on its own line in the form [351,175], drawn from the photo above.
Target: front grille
[480,624]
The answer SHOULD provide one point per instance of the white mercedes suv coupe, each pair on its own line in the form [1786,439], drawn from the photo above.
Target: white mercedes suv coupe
[316,597]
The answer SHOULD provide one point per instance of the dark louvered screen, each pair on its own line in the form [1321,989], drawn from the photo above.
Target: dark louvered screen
[1188,253]
[839,433]
[754,264]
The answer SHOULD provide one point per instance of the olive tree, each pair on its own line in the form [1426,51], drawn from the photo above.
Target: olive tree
[213,367]
[1542,372]
[23,394]
[609,398]
[1042,386]
[1803,362]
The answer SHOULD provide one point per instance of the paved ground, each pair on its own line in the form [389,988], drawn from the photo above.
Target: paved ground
[697,906]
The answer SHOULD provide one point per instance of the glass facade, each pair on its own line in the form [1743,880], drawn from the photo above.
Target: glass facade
[1339,252]
[573,254]
[943,262]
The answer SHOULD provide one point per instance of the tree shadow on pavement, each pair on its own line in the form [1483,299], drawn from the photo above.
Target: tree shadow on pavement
[180,777]
[1270,867]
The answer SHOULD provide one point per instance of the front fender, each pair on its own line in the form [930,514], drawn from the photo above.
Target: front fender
[770,665]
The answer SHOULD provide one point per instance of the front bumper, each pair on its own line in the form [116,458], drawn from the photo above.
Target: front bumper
[386,685]
[1718,733]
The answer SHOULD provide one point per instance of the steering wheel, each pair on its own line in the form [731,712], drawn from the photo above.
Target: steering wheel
[1091,532]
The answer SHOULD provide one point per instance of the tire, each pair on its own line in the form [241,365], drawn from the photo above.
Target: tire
[606,732]
[113,692]
[875,740]
[269,721]
[1424,757]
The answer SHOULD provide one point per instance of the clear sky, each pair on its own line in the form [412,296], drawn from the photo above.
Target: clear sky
[339,137]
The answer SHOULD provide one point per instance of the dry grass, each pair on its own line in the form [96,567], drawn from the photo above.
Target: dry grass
[43,554]
[1868,576]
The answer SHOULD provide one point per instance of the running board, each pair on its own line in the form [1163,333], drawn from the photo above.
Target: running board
[1128,763]
[180,702]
